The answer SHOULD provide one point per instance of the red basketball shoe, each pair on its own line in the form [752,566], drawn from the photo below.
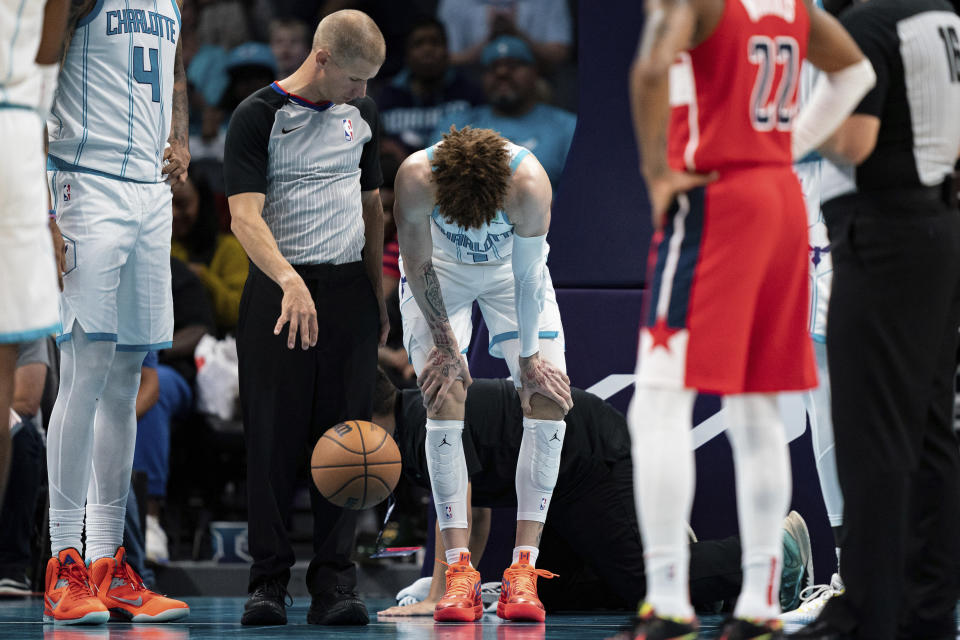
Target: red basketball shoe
[122,591]
[461,601]
[68,595]
[518,593]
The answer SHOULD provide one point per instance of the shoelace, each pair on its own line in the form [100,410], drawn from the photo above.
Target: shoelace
[274,590]
[809,595]
[460,581]
[78,584]
[523,579]
[125,572]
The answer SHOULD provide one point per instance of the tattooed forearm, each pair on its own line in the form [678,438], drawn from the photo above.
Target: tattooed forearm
[180,121]
[434,311]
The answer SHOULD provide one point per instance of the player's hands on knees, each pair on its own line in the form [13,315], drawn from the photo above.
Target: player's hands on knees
[665,186]
[444,367]
[423,608]
[298,309]
[176,159]
[539,376]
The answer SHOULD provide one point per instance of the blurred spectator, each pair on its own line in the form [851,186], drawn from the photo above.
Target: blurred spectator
[222,24]
[173,396]
[290,42]
[134,538]
[543,24]
[509,83]
[224,80]
[427,91]
[215,257]
[395,20]
[27,468]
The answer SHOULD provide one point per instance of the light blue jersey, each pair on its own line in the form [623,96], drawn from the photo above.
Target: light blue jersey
[112,111]
[20,25]
[491,243]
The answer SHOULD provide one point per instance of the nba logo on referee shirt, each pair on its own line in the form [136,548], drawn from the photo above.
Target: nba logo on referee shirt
[347,130]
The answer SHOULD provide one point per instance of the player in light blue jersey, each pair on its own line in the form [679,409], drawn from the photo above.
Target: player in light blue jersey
[472,217]
[30,33]
[117,138]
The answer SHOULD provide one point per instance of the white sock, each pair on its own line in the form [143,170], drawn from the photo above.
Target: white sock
[104,531]
[663,478]
[66,530]
[762,464]
[458,555]
[532,553]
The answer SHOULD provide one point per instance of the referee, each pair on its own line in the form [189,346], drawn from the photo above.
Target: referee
[892,328]
[303,175]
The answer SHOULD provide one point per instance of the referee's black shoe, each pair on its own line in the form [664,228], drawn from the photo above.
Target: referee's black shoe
[266,605]
[339,606]
[820,630]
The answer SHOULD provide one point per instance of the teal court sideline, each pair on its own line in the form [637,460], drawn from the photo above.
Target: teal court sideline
[220,618]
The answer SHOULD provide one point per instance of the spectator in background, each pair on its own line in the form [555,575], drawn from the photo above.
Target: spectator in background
[509,83]
[543,24]
[175,375]
[290,42]
[27,468]
[215,257]
[222,24]
[427,91]
[392,356]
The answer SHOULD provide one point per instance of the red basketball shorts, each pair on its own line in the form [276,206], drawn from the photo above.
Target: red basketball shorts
[729,292]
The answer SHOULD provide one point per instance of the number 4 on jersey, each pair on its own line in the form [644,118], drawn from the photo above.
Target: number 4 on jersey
[774,109]
[142,75]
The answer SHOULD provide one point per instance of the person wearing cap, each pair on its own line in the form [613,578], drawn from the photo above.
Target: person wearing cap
[513,110]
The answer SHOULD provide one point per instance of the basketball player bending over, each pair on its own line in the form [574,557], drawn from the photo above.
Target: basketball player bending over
[729,70]
[472,216]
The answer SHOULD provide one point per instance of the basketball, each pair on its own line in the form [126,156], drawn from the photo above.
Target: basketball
[356,464]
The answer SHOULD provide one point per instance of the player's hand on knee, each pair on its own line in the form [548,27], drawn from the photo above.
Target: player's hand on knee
[298,310]
[422,608]
[444,368]
[540,376]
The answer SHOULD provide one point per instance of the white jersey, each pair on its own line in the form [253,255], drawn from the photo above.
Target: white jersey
[21,22]
[112,111]
[490,244]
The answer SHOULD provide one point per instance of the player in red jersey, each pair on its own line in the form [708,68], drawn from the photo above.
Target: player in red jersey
[713,92]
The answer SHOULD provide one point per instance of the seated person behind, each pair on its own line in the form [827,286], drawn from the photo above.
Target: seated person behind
[26,467]
[215,257]
[599,567]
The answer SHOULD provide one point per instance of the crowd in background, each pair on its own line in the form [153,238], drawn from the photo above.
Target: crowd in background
[508,65]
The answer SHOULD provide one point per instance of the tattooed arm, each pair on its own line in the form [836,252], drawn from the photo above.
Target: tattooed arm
[412,207]
[177,155]
[671,27]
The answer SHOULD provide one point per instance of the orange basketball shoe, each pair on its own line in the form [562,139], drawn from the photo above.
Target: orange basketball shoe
[122,591]
[68,595]
[461,601]
[518,593]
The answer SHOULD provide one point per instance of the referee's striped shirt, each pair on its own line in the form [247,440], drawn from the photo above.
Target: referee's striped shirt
[311,161]
[914,46]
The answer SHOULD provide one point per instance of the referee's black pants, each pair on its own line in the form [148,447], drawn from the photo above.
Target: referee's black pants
[289,397]
[891,344]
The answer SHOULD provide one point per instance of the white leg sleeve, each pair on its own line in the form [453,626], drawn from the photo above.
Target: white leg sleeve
[817,402]
[663,479]
[537,467]
[762,465]
[84,365]
[114,437]
[448,472]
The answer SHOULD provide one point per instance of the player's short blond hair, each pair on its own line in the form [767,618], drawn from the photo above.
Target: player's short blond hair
[351,35]
[472,173]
